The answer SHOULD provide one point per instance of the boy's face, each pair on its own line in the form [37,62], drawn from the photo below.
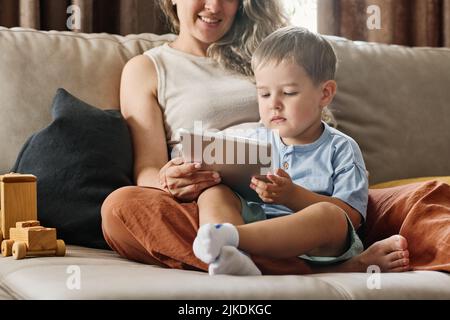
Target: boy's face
[290,102]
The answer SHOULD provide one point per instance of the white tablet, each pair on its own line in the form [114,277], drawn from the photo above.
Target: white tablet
[237,159]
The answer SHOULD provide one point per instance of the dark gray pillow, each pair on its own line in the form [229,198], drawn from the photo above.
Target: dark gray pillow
[79,159]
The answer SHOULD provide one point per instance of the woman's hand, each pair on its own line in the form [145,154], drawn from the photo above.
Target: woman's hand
[279,190]
[185,181]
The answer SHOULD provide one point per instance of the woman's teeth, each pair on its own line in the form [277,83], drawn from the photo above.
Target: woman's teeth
[209,20]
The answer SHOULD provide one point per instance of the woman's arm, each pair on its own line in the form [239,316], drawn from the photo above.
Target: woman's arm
[140,108]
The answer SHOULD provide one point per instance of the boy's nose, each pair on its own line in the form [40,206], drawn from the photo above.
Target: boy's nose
[276,107]
[276,104]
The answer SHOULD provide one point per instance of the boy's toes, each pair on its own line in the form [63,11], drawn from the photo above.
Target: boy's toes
[400,243]
[391,254]
[400,263]
[397,255]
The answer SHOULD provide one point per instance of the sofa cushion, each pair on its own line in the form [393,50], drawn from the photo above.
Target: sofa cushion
[104,275]
[79,159]
[394,101]
[402,182]
[34,64]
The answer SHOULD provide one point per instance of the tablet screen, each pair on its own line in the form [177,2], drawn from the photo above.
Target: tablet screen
[237,159]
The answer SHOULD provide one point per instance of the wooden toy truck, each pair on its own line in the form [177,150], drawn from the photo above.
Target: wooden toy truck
[18,201]
[18,220]
[32,239]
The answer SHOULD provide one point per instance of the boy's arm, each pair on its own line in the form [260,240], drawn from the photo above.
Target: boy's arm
[302,198]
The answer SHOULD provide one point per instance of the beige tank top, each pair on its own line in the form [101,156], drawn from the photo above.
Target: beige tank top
[192,88]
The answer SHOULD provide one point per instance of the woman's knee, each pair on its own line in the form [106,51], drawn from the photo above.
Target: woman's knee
[118,213]
[114,208]
[117,196]
[110,207]
[115,200]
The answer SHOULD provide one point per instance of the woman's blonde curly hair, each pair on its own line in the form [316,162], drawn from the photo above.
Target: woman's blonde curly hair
[254,21]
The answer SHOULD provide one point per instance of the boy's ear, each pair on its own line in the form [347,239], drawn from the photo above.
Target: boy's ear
[328,92]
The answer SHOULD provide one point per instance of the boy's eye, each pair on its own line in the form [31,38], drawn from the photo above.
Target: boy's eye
[265,95]
[291,93]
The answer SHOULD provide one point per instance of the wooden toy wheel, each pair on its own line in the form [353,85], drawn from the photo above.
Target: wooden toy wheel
[60,248]
[19,250]
[7,247]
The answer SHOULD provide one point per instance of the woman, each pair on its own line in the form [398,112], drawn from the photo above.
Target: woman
[204,75]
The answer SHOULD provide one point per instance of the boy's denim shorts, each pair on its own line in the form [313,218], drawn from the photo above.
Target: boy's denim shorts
[253,212]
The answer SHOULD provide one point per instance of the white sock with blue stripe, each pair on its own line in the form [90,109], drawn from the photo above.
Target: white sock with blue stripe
[234,262]
[211,238]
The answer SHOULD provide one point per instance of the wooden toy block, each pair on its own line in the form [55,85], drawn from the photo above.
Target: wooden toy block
[29,238]
[18,200]
[19,227]
[25,224]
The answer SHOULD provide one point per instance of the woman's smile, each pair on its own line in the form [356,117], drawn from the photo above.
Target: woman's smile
[210,20]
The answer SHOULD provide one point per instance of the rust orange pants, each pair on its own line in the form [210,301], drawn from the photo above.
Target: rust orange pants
[149,226]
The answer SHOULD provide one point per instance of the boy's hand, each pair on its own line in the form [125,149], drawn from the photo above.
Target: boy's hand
[278,191]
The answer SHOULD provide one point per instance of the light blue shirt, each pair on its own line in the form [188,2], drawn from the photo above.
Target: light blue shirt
[333,165]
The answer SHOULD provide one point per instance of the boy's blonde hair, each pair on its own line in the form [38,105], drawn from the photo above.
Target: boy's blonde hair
[309,50]
[254,21]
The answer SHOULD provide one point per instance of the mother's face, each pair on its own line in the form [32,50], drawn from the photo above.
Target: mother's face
[206,20]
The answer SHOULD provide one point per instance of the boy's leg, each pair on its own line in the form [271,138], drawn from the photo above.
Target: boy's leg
[219,204]
[320,229]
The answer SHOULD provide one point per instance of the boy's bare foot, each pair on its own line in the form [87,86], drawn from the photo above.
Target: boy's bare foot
[390,255]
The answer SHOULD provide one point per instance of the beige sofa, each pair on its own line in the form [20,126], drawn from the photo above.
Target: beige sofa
[393,100]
